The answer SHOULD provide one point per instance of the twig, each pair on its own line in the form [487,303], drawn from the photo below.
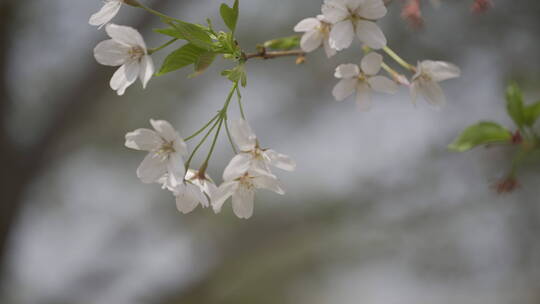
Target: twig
[263,54]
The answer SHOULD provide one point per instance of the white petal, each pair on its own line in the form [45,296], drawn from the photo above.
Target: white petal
[123,78]
[208,188]
[242,135]
[146,70]
[307,25]
[311,41]
[281,161]
[347,71]
[242,201]
[237,167]
[440,70]
[363,97]
[175,168]
[111,53]
[342,35]
[383,84]
[269,183]
[414,92]
[188,197]
[165,130]
[106,13]
[353,5]
[179,145]
[143,139]
[344,89]
[370,34]
[432,93]
[328,49]
[371,63]
[372,9]
[223,192]
[151,169]
[125,35]
[334,11]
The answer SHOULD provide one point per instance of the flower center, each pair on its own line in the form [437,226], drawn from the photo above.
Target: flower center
[136,53]
[166,149]
[245,181]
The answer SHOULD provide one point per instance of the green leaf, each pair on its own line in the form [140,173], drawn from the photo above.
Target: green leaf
[532,113]
[194,33]
[283,44]
[480,134]
[172,32]
[184,56]
[514,104]
[230,15]
[204,61]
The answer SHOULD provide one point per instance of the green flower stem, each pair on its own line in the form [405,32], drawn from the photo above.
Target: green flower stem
[152,51]
[222,117]
[159,14]
[188,163]
[239,96]
[203,128]
[398,59]
[393,73]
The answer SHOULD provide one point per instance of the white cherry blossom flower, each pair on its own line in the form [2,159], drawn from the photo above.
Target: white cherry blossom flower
[362,80]
[426,80]
[251,155]
[166,153]
[316,33]
[126,49]
[109,10]
[355,17]
[194,190]
[242,189]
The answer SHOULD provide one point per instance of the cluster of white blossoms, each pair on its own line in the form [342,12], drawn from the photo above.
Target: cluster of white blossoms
[125,49]
[335,29]
[248,170]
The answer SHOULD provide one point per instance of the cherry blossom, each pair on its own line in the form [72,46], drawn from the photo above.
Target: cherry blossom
[426,80]
[362,80]
[109,10]
[251,155]
[166,153]
[126,49]
[355,17]
[316,33]
[242,189]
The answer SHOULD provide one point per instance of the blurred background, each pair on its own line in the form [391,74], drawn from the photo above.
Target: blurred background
[378,211]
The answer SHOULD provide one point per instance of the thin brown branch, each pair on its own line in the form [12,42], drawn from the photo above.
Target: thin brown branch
[263,54]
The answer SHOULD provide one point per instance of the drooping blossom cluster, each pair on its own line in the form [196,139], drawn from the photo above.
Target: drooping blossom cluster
[247,171]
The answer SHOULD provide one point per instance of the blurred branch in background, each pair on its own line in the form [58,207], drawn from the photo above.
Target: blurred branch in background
[22,166]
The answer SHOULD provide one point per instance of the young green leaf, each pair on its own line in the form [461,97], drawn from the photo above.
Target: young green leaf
[532,112]
[171,32]
[194,33]
[184,56]
[480,134]
[514,104]
[237,74]
[283,44]
[230,15]
[204,61]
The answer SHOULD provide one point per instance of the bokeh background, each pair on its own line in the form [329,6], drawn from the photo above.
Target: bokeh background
[377,212]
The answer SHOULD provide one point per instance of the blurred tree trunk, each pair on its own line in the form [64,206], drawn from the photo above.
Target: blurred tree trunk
[21,166]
